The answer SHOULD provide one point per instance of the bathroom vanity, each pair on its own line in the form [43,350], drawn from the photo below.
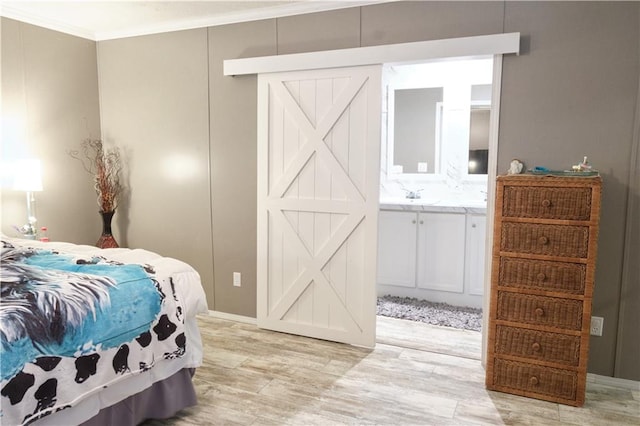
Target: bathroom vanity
[434,161]
[433,251]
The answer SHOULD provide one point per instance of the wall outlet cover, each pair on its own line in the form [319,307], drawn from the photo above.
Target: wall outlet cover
[237,279]
[397,169]
[597,323]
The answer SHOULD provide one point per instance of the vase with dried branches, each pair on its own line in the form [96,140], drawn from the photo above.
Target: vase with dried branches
[105,165]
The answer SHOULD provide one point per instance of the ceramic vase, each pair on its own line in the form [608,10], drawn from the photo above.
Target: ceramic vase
[106,239]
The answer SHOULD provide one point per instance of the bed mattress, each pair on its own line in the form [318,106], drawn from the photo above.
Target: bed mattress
[82,328]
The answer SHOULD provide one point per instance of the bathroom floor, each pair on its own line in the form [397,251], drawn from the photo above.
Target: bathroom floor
[442,314]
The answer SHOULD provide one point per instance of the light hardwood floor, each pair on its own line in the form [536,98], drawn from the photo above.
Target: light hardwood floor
[416,375]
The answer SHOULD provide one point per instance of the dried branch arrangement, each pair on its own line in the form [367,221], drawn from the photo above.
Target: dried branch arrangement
[105,165]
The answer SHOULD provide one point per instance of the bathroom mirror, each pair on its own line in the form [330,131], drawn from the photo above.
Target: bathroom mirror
[479,121]
[479,139]
[438,117]
[416,129]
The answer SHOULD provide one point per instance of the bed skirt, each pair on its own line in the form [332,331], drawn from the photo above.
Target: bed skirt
[160,401]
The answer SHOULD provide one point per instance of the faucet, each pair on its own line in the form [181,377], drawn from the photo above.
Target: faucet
[413,195]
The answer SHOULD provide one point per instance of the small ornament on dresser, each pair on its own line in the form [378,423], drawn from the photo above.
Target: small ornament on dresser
[105,164]
[585,166]
[515,167]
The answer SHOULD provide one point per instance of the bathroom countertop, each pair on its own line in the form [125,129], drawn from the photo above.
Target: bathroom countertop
[438,206]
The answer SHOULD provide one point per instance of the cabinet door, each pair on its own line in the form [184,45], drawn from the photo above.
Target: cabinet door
[476,237]
[441,249]
[397,248]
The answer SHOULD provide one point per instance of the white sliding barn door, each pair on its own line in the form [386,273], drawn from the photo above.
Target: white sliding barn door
[318,184]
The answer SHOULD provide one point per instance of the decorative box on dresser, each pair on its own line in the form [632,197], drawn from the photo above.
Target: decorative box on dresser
[543,264]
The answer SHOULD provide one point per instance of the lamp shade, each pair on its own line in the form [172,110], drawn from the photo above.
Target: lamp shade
[27,175]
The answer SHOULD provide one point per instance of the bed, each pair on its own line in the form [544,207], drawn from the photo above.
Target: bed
[95,336]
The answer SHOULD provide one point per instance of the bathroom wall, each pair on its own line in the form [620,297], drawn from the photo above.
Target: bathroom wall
[446,137]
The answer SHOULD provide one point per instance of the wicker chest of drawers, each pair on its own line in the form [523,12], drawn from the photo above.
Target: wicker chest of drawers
[543,264]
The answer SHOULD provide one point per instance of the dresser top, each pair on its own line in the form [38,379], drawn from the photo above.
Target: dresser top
[537,179]
[574,175]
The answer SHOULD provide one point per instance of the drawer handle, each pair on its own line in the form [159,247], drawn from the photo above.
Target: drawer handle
[536,347]
[546,203]
[413,221]
[539,312]
[541,276]
[534,381]
[543,240]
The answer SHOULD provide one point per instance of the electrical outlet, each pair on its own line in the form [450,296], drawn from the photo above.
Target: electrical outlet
[237,279]
[596,326]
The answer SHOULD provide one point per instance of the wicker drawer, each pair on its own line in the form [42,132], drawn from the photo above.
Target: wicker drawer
[547,202]
[538,345]
[542,275]
[540,310]
[553,382]
[552,240]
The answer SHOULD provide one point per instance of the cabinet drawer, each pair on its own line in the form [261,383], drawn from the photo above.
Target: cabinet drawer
[542,275]
[553,382]
[538,345]
[552,240]
[547,203]
[540,310]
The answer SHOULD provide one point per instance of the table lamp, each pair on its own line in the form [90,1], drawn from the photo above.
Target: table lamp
[28,178]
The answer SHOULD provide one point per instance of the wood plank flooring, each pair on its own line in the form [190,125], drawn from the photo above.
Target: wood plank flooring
[416,376]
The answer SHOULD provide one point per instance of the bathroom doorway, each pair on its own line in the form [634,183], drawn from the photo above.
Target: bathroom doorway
[437,153]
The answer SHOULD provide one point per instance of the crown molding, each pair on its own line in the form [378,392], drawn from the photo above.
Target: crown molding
[186,24]
[10,12]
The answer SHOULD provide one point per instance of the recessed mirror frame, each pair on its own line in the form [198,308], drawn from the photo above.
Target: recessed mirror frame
[390,101]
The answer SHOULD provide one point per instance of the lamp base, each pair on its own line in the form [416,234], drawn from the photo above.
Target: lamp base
[28,232]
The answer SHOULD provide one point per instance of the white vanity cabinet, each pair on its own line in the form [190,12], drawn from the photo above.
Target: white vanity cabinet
[397,248]
[438,256]
[474,255]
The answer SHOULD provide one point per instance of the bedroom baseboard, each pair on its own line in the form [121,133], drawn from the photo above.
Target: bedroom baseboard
[233,317]
[613,381]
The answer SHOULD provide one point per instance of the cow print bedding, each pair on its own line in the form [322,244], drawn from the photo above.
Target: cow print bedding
[71,325]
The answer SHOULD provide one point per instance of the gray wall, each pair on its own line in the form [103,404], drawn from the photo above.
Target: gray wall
[154,102]
[572,92]
[49,105]
[233,158]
